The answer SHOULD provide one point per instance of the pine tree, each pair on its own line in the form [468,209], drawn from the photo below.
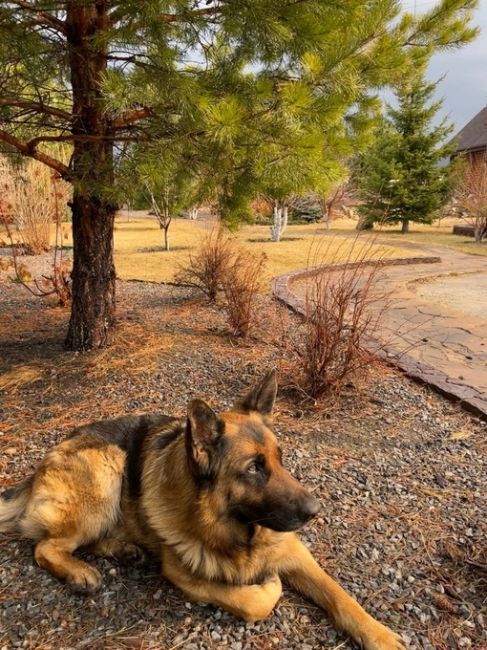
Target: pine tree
[102,74]
[403,176]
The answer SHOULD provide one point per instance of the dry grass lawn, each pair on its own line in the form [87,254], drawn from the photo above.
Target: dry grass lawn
[139,250]
[139,253]
[434,235]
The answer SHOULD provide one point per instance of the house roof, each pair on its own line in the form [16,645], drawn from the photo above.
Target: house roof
[473,136]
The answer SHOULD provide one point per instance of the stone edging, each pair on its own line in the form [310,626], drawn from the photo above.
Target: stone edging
[282,283]
[419,371]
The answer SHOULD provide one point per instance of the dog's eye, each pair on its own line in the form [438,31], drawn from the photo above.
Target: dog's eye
[253,468]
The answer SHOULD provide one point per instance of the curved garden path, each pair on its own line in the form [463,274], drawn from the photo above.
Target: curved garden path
[436,326]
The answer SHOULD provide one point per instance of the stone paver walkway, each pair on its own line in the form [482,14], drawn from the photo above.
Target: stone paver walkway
[436,327]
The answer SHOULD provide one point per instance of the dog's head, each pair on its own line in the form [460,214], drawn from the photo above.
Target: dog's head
[236,456]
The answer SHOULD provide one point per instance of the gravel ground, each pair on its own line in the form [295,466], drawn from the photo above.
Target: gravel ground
[401,473]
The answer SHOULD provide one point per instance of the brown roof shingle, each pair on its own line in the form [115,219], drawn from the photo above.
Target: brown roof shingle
[473,136]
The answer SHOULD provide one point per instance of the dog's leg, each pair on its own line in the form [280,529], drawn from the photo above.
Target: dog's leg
[113,547]
[74,501]
[55,556]
[250,602]
[301,570]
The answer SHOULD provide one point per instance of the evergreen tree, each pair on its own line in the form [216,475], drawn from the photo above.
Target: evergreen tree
[101,74]
[402,177]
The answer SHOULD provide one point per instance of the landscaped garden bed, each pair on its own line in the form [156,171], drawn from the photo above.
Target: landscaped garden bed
[400,472]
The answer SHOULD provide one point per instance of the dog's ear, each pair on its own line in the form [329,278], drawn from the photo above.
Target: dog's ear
[262,397]
[204,429]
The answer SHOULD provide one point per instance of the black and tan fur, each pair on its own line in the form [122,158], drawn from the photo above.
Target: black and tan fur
[207,494]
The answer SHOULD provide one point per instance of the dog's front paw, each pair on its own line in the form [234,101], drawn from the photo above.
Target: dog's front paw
[259,600]
[273,587]
[85,580]
[379,637]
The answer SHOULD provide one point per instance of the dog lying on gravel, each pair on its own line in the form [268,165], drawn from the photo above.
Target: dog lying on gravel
[207,494]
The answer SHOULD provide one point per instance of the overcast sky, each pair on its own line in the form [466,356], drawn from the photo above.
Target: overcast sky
[464,87]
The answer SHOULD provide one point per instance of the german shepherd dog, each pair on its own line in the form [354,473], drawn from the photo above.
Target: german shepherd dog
[207,494]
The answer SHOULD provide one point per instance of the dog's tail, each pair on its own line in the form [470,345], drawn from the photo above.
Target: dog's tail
[12,504]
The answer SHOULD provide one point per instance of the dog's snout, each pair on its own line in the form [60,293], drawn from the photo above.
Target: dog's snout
[310,507]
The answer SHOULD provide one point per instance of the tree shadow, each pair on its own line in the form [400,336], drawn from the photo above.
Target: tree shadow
[161,249]
[266,240]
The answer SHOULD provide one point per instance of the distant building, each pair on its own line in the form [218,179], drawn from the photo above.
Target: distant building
[471,194]
[471,142]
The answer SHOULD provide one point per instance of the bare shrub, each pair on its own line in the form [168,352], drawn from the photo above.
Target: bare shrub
[338,201]
[222,264]
[343,309]
[31,195]
[33,207]
[206,269]
[58,283]
[470,195]
[7,191]
[242,283]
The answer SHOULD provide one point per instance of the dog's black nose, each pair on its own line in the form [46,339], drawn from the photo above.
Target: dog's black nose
[310,507]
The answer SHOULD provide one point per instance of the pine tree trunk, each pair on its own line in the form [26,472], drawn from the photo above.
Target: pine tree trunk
[93,306]
[405,226]
[93,275]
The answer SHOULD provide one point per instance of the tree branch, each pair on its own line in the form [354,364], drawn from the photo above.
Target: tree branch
[36,107]
[129,117]
[208,11]
[27,150]
[42,17]
[174,18]
[32,144]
